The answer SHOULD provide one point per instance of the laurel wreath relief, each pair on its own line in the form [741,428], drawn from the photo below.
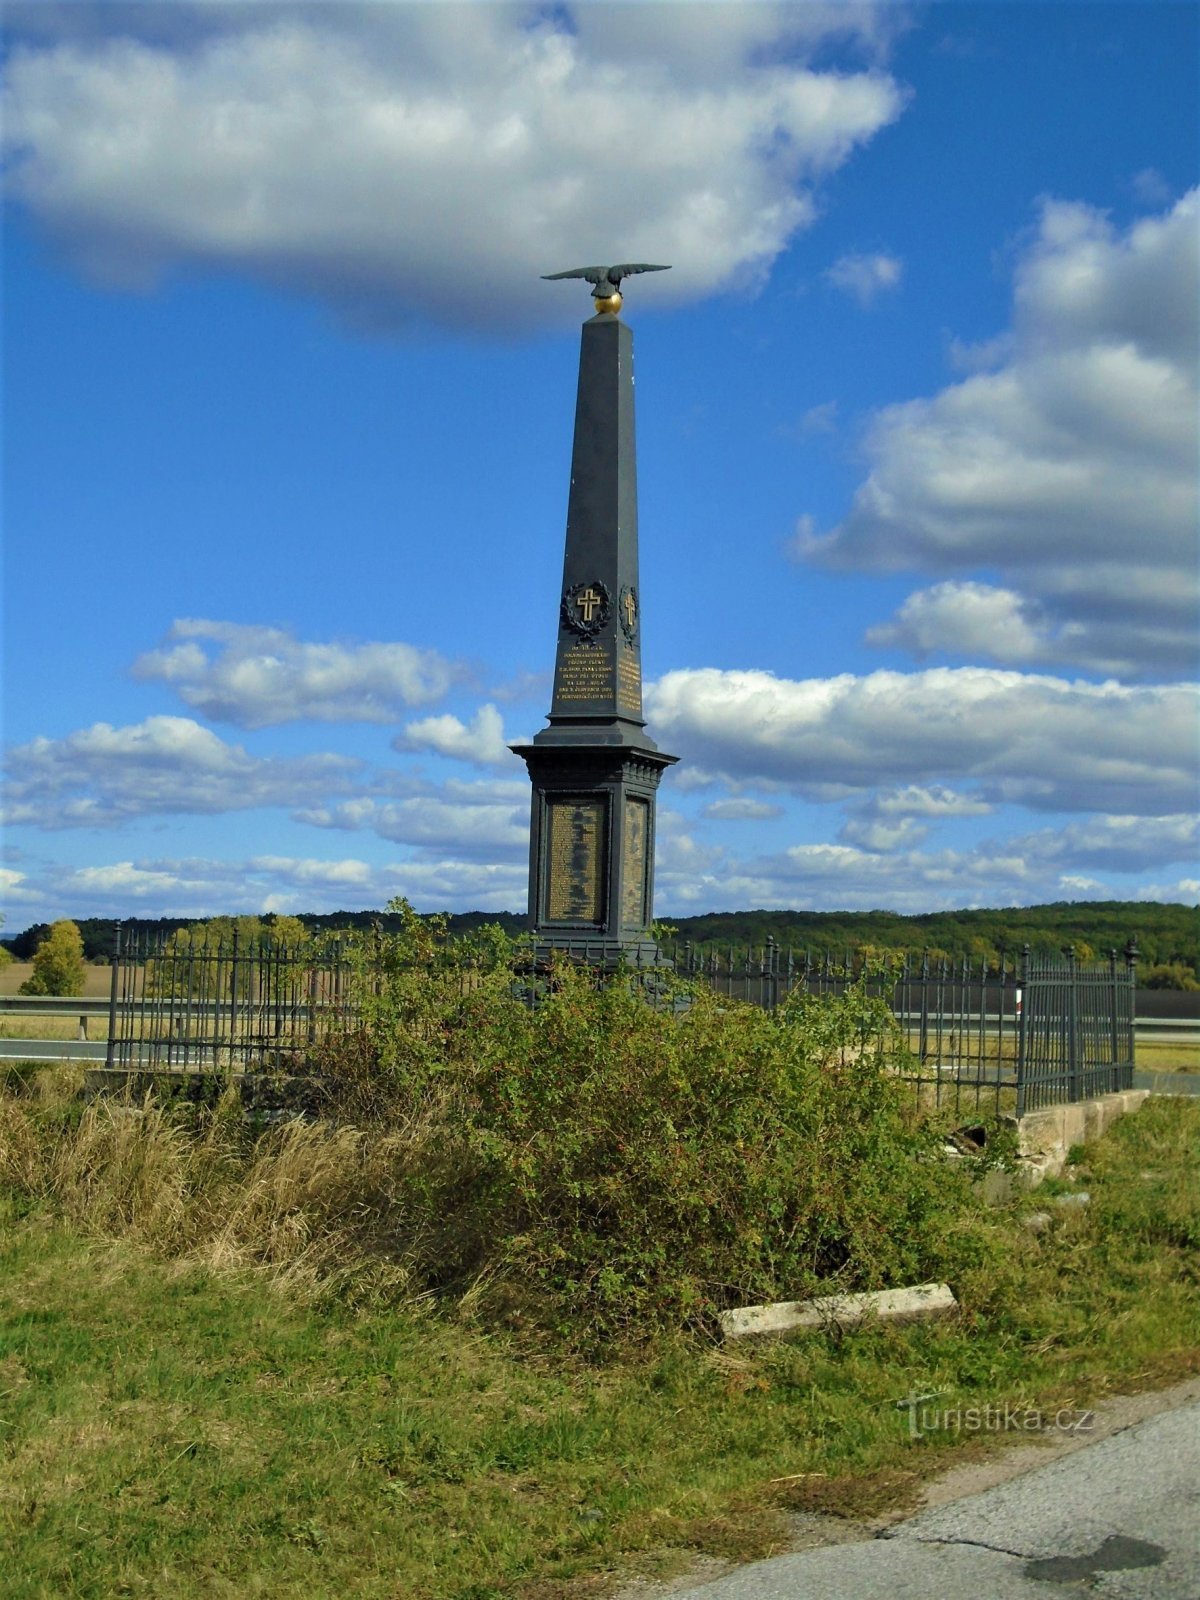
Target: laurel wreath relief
[586,608]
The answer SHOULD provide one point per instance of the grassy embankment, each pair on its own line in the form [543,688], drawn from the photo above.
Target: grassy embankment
[464,1348]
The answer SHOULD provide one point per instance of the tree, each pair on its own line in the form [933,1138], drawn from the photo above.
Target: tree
[57,962]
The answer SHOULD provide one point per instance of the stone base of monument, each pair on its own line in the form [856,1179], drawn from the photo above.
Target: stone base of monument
[591,857]
[603,955]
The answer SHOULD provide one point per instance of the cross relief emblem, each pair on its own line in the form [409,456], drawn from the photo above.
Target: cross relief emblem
[586,608]
[628,612]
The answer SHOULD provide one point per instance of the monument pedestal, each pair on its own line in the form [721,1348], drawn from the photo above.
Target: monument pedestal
[591,850]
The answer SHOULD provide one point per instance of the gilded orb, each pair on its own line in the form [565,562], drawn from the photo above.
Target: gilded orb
[610,303]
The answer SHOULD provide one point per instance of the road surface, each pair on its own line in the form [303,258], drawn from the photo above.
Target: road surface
[1119,1518]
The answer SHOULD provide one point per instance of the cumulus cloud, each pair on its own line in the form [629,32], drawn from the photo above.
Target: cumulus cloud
[418,161]
[201,886]
[741,810]
[937,801]
[865,277]
[968,619]
[872,833]
[105,775]
[1071,469]
[480,741]
[473,819]
[864,873]
[1115,844]
[1038,741]
[260,676]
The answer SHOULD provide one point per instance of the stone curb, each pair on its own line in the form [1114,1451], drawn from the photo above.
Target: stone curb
[917,1304]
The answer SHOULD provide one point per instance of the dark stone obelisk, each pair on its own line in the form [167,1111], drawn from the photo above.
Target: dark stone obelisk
[594,770]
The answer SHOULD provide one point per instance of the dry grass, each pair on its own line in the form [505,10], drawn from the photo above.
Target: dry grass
[97,980]
[24,1026]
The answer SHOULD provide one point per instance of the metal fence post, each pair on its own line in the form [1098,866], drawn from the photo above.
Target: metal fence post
[233,999]
[1072,1023]
[1131,961]
[1114,1011]
[1022,999]
[110,1050]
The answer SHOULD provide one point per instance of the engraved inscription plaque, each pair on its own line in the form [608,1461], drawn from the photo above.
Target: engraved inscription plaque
[584,673]
[637,837]
[575,859]
[629,682]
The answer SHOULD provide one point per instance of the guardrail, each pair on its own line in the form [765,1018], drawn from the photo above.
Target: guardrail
[1148,1029]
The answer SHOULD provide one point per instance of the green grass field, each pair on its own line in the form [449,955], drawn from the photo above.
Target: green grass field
[187,1427]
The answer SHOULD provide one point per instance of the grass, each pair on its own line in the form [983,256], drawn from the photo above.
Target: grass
[175,1421]
[42,1027]
[1168,1057]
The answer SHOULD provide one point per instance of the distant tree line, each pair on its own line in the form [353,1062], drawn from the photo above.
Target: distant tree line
[1168,936]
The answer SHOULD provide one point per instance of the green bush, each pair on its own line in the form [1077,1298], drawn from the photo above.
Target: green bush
[616,1158]
[601,1161]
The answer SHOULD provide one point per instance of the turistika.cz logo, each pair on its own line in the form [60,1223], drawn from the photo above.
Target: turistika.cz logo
[1007,1417]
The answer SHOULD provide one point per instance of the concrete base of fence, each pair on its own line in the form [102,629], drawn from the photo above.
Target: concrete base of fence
[1045,1137]
[919,1304]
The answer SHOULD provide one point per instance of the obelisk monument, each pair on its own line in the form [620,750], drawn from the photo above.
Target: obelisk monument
[594,770]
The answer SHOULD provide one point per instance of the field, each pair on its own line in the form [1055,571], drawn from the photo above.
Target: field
[96,981]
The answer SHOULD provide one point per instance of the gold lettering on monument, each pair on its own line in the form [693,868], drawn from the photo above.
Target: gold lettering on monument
[575,861]
[629,682]
[633,866]
[584,673]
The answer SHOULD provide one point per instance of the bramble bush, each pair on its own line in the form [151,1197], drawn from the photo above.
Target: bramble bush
[601,1159]
[593,1165]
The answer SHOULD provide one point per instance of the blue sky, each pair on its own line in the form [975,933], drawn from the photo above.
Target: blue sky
[288,418]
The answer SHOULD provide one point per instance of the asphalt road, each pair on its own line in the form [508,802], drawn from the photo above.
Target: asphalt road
[1119,1519]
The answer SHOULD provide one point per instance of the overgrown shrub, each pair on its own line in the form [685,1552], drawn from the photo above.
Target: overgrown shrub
[592,1163]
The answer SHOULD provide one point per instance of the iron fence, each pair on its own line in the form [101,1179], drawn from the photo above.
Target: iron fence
[190,1003]
[1013,1035]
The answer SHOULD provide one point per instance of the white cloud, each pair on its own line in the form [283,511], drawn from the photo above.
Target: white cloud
[261,676]
[876,835]
[473,820]
[865,277]
[199,886]
[896,873]
[481,741]
[937,801]
[15,887]
[1116,844]
[970,619]
[430,160]
[1071,470]
[1037,741]
[105,775]
[744,810]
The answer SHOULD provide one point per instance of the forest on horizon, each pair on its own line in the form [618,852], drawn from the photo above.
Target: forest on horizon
[1167,935]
